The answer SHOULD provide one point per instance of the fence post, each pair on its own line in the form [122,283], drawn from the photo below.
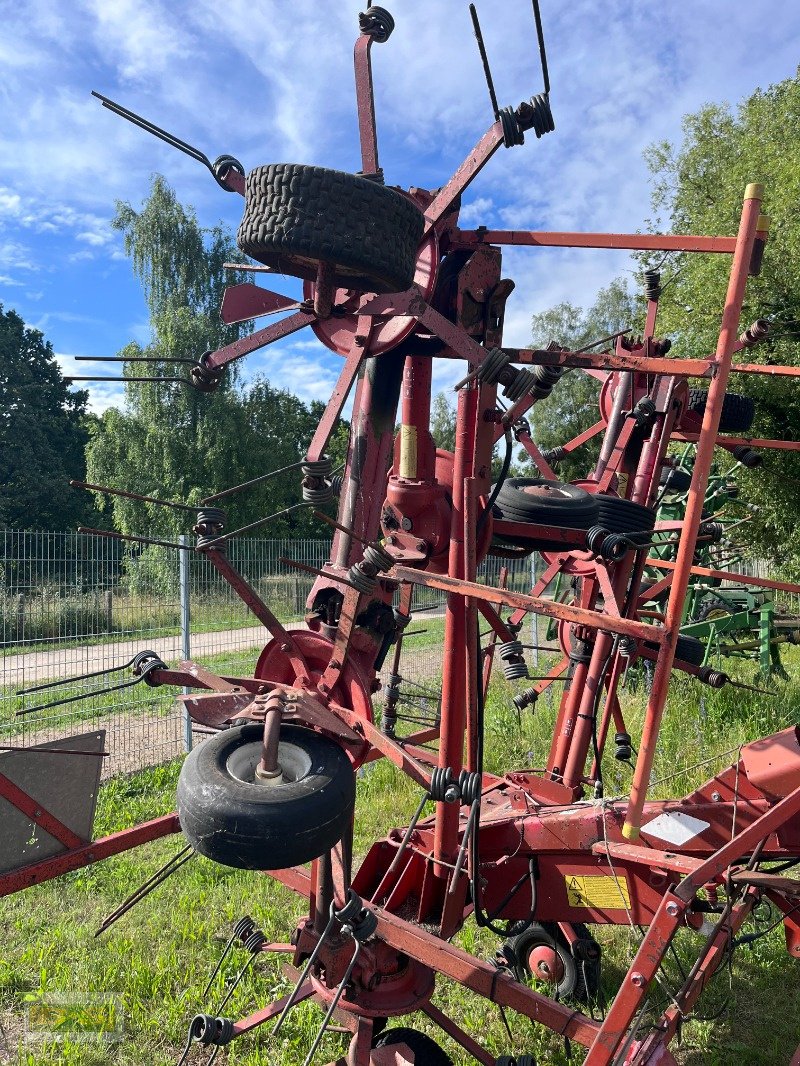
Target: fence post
[186,647]
[109,610]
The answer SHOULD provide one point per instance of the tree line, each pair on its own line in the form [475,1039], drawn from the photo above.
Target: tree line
[171,441]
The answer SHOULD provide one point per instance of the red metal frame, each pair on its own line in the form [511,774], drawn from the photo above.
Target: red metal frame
[533,825]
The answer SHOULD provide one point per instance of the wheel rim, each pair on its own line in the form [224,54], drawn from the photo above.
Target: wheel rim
[294,763]
[545,964]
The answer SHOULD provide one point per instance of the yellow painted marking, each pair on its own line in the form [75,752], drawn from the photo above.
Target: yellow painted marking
[408,452]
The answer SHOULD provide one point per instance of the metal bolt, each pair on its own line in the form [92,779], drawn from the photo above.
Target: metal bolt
[37,814]
[637,979]
[673,910]
[716,797]
[284,648]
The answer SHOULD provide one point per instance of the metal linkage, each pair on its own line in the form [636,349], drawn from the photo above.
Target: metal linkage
[143,664]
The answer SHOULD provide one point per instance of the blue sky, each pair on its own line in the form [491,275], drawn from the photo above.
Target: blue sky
[271,81]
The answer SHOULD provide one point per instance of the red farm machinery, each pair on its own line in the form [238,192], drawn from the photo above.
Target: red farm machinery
[538,856]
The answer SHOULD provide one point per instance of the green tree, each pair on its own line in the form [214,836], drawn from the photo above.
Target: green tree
[43,433]
[171,441]
[443,422]
[573,404]
[698,188]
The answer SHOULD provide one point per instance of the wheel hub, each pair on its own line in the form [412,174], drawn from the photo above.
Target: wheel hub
[545,964]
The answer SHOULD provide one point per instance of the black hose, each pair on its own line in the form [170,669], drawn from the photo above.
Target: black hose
[496,490]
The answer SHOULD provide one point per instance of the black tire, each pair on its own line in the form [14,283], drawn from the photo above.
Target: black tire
[690,650]
[426,1051]
[624,516]
[687,650]
[297,216]
[738,411]
[581,976]
[554,503]
[675,480]
[228,817]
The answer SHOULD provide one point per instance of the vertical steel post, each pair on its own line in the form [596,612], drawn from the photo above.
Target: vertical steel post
[694,508]
[186,648]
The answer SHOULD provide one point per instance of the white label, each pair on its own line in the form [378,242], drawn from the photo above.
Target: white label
[675,827]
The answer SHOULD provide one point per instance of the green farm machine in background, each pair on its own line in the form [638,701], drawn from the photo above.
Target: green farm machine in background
[729,619]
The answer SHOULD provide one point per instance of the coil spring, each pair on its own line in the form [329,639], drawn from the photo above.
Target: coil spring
[365,583]
[555,455]
[469,786]
[513,671]
[521,428]
[644,411]
[596,536]
[378,557]
[714,531]
[536,115]
[144,664]
[746,456]
[206,1029]
[517,1060]
[627,647]
[652,284]
[521,384]
[255,941]
[512,131]
[337,483]
[318,494]
[243,928]
[546,378]
[220,167]
[376,23]
[321,467]
[351,909]
[525,698]
[211,522]
[443,789]
[615,546]
[622,747]
[202,377]
[712,678]
[488,373]
[510,648]
[755,333]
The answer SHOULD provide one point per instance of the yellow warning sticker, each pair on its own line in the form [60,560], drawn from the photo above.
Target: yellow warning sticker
[600,891]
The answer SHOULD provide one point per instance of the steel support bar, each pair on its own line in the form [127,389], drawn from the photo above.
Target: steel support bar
[506,598]
[736,442]
[472,165]
[729,575]
[365,104]
[87,854]
[728,336]
[259,339]
[646,364]
[653,242]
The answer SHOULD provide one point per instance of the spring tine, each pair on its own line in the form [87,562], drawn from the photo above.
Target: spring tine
[93,377]
[253,481]
[333,1004]
[133,359]
[305,972]
[80,696]
[342,529]
[147,887]
[53,751]
[313,570]
[462,851]
[253,525]
[150,127]
[109,491]
[476,26]
[540,35]
[77,677]
[407,835]
[113,535]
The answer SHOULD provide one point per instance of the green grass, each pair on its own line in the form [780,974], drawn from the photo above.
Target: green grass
[157,958]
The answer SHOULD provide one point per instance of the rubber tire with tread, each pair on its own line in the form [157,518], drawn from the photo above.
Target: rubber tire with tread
[618,515]
[738,411]
[674,480]
[578,983]
[237,822]
[297,216]
[570,506]
[687,650]
[426,1051]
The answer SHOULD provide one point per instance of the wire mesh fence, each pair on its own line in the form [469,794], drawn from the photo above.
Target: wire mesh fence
[73,604]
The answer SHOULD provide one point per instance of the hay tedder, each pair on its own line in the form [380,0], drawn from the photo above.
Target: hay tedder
[537,856]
